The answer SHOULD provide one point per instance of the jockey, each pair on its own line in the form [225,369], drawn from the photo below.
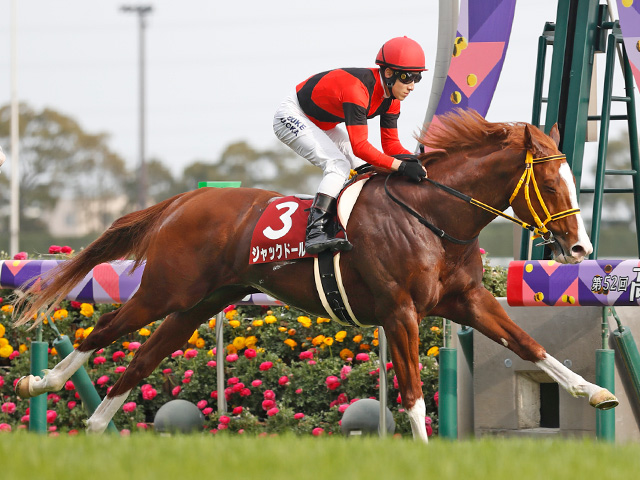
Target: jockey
[307,121]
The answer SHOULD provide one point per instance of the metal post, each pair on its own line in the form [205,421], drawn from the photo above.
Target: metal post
[220,358]
[38,405]
[448,388]
[14,227]
[605,377]
[382,344]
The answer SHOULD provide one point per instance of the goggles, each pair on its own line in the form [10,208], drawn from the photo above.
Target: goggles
[408,77]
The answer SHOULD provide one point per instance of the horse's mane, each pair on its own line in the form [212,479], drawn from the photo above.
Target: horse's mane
[467,129]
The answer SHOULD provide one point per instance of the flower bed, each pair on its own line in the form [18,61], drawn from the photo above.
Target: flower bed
[284,371]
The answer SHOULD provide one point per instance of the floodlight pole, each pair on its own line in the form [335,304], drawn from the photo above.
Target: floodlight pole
[142,11]
[14,223]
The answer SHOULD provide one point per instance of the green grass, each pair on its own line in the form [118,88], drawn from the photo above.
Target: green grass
[28,456]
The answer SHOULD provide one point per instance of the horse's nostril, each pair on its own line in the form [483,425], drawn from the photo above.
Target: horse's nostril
[578,250]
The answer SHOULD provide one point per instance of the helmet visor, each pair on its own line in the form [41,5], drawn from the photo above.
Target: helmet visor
[408,77]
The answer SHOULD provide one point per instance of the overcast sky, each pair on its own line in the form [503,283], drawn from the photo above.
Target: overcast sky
[217,70]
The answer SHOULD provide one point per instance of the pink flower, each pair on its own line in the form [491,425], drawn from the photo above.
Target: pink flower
[8,407]
[222,426]
[1,377]
[188,373]
[396,385]
[69,385]
[238,387]
[55,249]
[5,427]
[436,397]
[284,380]
[245,392]
[233,380]
[389,366]
[149,393]
[14,354]
[225,420]
[177,353]
[207,411]
[482,251]
[186,380]
[201,404]
[299,416]
[53,397]
[342,398]
[316,432]
[298,391]
[72,432]
[176,391]
[134,346]
[66,250]
[102,380]
[125,432]
[344,372]
[343,407]
[117,355]
[71,405]
[250,353]
[256,383]
[20,256]
[99,360]
[191,353]
[25,419]
[214,394]
[167,371]
[51,416]
[269,395]
[272,411]
[332,382]
[232,357]
[237,411]
[306,355]
[142,425]
[311,362]
[267,404]
[264,366]
[129,407]
[120,369]
[229,308]
[362,357]
[399,399]
[211,363]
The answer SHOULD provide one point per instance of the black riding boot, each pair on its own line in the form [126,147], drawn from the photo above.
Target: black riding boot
[323,226]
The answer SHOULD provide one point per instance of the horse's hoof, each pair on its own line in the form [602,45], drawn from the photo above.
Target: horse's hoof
[603,400]
[22,387]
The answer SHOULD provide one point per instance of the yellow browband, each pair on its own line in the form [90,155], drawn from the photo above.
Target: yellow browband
[529,177]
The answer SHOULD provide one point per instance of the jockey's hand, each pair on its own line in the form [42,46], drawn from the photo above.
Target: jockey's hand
[407,157]
[412,169]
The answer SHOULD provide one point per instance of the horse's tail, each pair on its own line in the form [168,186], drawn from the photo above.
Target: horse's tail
[126,237]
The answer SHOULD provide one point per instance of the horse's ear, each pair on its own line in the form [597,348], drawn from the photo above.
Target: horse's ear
[530,143]
[555,134]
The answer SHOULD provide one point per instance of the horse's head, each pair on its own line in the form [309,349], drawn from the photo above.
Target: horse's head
[550,201]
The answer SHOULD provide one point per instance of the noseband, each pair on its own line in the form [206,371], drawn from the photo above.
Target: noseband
[528,177]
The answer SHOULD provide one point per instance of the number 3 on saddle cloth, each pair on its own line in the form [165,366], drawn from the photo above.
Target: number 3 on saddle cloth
[279,236]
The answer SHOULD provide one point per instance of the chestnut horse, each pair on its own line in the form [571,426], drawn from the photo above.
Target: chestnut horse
[398,272]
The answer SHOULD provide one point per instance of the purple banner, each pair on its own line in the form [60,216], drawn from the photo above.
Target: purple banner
[629,13]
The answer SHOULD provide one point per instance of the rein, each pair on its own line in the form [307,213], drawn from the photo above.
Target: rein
[540,230]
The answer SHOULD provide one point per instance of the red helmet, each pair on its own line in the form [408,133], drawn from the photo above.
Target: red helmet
[401,53]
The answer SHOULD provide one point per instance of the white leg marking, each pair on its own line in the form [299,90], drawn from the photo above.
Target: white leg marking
[504,342]
[567,176]
[417,415]
[55,379]
[570,381]
[104,413]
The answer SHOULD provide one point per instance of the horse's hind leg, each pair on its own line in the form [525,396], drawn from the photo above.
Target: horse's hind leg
[172,334]
[483,312]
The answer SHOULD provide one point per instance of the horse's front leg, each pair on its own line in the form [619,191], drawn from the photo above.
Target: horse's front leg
[480,310]
[403,338]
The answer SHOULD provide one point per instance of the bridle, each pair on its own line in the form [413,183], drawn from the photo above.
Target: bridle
[528,178]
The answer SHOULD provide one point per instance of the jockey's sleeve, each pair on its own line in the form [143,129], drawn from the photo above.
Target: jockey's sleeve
[356,123]
[389,130]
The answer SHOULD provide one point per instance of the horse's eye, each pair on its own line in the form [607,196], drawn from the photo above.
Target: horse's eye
[550,189]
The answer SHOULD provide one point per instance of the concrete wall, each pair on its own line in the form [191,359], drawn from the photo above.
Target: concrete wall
[502,397]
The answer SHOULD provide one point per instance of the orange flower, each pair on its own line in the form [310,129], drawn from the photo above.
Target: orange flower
[346,353]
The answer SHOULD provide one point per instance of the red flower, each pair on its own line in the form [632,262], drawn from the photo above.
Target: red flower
[20,256]
[284,380]
[267,404]
[229,308]
[272,411]
[99,360]
[299,416]
[332,382]
[55,249]
[76,305]
[66,250]
[232,357]
[306,355]
[102,380]
[269,395]
[250,353]
[129,407]
[149,393]
[264,366]
[69,385]
[316,432]
[362,357]
[117,355]
[237,410]
[51,416]
[225,420]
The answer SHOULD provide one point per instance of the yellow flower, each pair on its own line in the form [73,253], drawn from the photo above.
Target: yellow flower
[125,345]
[282,329]
[270,319]
[80,333]
[231,314]
[22,348]
[86,332]
[145,332]
[234,323]
[375,333]
[319,340]
[76,345]
[346,353]
[435,329]
[251,341]
[258,323]
[210,353]
[375,342]
[3,342]
[2,330]
[231,349]
[328,341]
[433,352]
[239,343]
[200,343]
[86,309]
[54,351]
[323,320]
[5,351]
[291,332]
[7,309]
[341,335]
[357,338]
[212,323]
[60,314]
[193,338]
[304,321]
[365,347]
[291,342]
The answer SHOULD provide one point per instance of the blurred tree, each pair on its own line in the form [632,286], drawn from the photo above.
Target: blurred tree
[59,159]
[278,169]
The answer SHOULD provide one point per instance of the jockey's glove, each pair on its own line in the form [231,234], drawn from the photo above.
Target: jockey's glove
[412,169]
